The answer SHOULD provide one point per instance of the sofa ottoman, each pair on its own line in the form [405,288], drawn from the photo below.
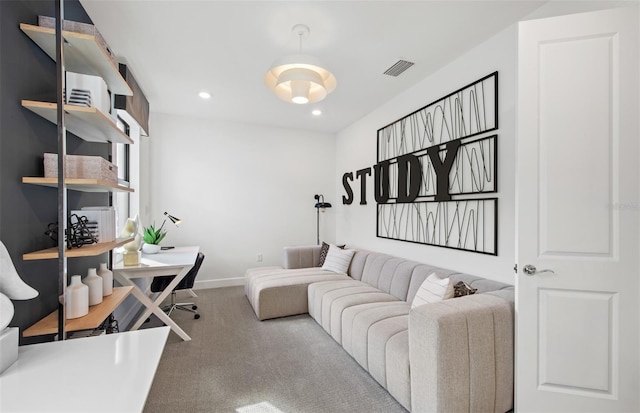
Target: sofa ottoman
[277,292]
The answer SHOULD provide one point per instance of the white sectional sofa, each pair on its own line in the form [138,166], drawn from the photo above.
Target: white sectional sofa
[455,355]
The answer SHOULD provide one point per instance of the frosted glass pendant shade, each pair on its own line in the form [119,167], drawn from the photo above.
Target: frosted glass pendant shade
[300,79]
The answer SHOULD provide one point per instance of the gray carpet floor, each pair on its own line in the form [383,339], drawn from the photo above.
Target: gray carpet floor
[235,363]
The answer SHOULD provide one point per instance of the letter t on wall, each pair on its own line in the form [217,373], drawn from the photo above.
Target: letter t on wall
[362,176]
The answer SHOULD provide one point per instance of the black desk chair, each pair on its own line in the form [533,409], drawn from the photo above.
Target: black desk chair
[160,283]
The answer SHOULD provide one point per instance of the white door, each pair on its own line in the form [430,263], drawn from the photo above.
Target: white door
[577,335]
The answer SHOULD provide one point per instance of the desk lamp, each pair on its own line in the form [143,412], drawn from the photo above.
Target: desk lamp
[176,221]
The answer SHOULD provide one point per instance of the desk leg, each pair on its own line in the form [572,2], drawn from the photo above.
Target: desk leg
[164,294]
[154,306]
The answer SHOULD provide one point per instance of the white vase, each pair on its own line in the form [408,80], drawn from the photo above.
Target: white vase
[107,279]
[76,298]
[150,248]
[95,286]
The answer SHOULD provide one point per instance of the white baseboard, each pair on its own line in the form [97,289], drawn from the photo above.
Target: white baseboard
[220,283]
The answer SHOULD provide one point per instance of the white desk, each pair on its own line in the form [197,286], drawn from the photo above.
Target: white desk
[109,373]
[178,261]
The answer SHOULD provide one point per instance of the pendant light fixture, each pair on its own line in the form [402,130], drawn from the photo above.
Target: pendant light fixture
[300,78]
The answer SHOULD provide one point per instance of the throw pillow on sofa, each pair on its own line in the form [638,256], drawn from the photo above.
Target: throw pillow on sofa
[462,288]
[432,290]
[337,260]
[324,250]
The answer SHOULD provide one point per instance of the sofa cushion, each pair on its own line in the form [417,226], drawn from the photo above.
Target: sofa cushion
[373,267]
[398,374]
[335,302]
[396,282]
[254,273]
[279,293]
[317,290]
[357,313]
[357,264]
[301,257]
[357,322]
[378,336]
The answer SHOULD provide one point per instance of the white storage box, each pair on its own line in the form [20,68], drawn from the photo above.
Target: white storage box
[87,167]
[99,94]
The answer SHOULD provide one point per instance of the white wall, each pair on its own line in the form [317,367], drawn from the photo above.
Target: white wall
[240,189]
[356,149]
[244,190]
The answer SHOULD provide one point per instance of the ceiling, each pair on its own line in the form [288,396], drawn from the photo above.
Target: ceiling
[176,48]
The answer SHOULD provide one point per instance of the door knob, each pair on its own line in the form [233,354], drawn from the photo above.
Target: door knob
[531,270]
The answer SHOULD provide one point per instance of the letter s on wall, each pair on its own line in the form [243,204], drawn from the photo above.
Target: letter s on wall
[347,200]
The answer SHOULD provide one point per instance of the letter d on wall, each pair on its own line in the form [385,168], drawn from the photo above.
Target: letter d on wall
[381,181]
[409,178]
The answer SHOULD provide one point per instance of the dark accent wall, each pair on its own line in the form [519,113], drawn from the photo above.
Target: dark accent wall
[25,210]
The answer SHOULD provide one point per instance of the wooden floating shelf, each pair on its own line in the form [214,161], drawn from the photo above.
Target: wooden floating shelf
[84,251]
[88,123]
[82,54]
[78,184]
[97,314]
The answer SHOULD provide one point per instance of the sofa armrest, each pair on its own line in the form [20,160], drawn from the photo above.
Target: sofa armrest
[461,353]
[305,256]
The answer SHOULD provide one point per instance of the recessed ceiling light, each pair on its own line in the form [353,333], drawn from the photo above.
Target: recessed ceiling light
[204,95]
[316,112]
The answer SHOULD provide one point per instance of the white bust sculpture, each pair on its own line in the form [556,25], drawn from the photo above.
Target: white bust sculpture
[130,229]
[11,287]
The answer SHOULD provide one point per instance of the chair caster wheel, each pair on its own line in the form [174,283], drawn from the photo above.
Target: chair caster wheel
[194,307]
[196,316]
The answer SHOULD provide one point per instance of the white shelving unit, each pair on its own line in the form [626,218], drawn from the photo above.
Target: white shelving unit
[82,53]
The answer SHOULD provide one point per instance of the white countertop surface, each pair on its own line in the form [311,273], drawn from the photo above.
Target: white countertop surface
[109,373]
[175,257]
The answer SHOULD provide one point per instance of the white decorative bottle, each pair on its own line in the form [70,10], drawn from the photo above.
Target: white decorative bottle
[107,279]
[76,298]
[95,286]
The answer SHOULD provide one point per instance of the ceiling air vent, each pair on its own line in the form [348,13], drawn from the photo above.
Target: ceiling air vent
[398,68]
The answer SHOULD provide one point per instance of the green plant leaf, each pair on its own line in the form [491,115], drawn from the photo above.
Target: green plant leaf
[151,235]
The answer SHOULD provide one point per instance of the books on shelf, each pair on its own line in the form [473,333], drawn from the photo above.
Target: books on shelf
[101,222]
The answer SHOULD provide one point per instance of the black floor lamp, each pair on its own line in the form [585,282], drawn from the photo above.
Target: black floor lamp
[320,204]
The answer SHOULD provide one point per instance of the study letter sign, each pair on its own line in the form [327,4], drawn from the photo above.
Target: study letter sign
[435,168]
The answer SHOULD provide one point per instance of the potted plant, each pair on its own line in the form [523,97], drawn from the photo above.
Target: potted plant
[152,238]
